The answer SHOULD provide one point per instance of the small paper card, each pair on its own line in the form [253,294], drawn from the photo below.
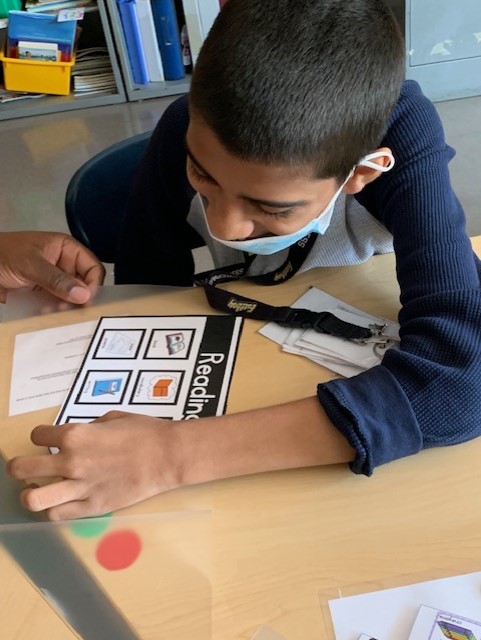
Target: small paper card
[40,51]
[70,14]
[435,624]
[342,356]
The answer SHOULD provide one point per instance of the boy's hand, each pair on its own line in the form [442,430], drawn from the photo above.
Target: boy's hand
[54,261]
[113,462]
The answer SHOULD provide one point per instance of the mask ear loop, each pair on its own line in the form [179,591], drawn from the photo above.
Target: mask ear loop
[366,161]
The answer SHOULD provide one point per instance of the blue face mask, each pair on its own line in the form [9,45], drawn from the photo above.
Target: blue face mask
[272,244]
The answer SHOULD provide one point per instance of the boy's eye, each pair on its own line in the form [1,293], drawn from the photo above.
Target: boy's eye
[201,177]
[276,214]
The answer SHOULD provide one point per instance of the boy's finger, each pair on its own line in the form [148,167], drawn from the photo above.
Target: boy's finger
[45,466]
[111,415]
[52,495]
[72,510]
[47,436]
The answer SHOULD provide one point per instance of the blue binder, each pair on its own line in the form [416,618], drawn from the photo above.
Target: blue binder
[130,25]
[168,36]
[41,27]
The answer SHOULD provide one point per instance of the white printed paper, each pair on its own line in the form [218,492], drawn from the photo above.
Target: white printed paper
[171,367]
[399,606]
[434,624]
[45,364]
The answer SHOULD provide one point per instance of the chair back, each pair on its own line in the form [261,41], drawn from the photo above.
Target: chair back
[97,193]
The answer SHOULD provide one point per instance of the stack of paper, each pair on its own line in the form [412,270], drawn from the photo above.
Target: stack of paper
[442,609]
[92,72]
[10,96]
[341,356]
[54,6]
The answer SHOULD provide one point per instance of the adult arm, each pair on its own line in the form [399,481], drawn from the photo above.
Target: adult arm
[54,261]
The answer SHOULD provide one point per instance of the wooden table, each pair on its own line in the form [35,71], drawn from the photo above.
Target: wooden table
[279,540]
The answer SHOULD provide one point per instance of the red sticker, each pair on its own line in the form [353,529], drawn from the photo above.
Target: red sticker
[118,550]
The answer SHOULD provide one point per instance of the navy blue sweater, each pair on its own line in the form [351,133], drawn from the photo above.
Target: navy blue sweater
[428,392]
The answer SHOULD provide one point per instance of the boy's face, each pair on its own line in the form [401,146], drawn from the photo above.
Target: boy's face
[247,199]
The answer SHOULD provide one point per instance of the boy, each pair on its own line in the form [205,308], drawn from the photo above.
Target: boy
[296,112]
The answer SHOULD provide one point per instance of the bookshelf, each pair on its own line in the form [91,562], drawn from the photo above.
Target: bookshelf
[104,28]
[152,89]
[96,31]
[139,91]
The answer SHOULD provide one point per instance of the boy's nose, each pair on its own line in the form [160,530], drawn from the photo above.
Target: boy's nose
[228,221]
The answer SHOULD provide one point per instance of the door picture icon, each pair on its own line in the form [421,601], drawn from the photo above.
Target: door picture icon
[107,387]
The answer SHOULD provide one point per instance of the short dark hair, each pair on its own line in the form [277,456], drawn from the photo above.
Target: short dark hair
[300,82]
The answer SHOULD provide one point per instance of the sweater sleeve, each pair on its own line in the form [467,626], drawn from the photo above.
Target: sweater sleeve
[426,393]
[156,241]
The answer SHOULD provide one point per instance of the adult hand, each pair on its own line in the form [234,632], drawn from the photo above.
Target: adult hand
[110,463]
[54,261]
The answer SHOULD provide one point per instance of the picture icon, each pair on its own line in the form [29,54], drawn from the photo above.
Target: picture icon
[107,387]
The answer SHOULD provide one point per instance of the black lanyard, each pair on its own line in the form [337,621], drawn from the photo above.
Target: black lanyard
[321,322]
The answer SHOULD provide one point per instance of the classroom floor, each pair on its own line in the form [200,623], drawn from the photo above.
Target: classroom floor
[38,155]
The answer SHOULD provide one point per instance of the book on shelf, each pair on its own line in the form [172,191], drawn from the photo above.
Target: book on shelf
[54,6]
[41,28]
[168,37]
[92,72]
[199,18]
[184,37]
[41,51]
[149,40]
[133,40]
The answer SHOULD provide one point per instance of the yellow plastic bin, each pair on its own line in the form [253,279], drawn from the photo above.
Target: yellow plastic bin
[36,76]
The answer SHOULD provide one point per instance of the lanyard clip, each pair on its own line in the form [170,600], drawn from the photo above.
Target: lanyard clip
[377,336]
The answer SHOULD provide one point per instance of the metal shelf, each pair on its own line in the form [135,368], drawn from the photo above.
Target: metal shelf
[53,104]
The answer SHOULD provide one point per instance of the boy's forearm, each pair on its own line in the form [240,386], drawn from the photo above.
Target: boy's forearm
[292,435]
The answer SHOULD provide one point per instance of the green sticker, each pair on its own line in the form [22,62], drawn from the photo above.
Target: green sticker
[90,527]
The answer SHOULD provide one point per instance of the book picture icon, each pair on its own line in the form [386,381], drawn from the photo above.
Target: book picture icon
[455,632]
[175,343]
[107,387]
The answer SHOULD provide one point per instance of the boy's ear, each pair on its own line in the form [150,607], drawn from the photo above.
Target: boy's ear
[364,175]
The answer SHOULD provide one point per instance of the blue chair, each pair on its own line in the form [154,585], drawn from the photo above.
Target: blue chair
[97,193]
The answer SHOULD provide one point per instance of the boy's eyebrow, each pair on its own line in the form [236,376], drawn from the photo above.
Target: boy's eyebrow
[266,203]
